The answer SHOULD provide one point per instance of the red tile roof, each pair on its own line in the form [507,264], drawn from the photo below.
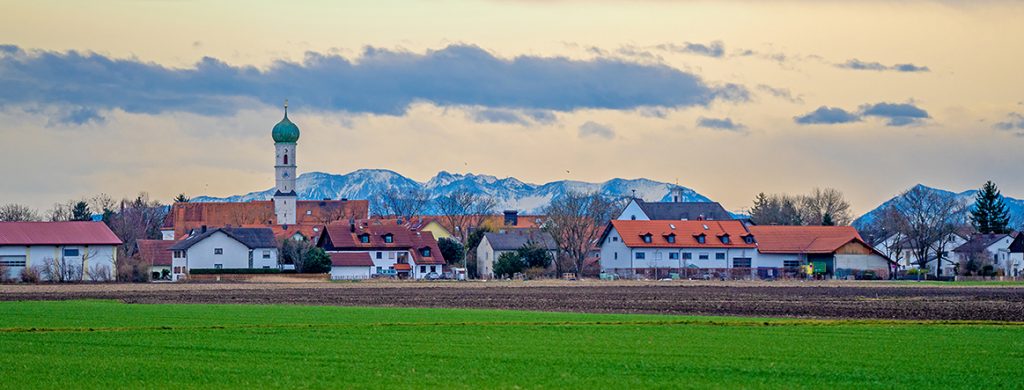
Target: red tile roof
[340,237]
[56,233]
[403,267]
[351,259]
[686,233]
[156,252]
[803,239]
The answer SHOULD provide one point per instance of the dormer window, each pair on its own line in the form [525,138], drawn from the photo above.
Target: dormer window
[701,238]
[725,239]
[364,238]
[389,238]
[748,239]
[646,238]
[671,238]
[425,251]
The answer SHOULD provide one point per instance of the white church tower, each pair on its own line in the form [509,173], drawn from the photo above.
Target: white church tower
[286,134]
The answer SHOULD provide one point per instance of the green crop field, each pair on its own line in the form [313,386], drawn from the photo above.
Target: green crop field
[100,344]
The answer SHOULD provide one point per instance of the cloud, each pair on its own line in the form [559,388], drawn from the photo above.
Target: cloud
[827,115]
[856,64]
[381,81]
[781,93]
[80,116]
[513,116]
[896,114]
[720,124]
[714,49]
[1014,122]
[594,129]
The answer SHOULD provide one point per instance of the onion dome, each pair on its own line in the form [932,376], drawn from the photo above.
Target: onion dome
[285,131]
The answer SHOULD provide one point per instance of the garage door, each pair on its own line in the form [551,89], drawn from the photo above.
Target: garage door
[14,265]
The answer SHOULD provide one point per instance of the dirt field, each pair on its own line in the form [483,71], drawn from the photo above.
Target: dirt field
[769,299]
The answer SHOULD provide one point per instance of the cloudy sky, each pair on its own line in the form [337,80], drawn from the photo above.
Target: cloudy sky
[730,99]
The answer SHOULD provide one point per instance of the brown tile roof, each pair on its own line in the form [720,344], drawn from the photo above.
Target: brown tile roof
[340,237]
[351,259]
[686,233]
[803,239]
[156,252]
[185,217]
[57,233]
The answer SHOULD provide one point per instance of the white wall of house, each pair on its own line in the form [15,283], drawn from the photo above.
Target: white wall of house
[861,262]
[615,255]
[633,212]
[1016,264]
[485,258]
[351,273]
[232,254]
[421,271]
[85,257]
[776,260]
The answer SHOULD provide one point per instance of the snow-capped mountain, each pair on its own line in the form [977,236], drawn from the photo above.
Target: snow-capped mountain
[510,192]
[1015,206]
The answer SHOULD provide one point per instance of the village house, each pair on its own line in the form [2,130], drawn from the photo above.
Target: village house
[831,251]
[1017,255]
[81,250]
[901,250]
[157,253]
[674,210]
[658,248]
[993,249]
[394,249]
[224,248]
[494,244]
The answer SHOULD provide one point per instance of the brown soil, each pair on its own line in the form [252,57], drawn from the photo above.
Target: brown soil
[819,300]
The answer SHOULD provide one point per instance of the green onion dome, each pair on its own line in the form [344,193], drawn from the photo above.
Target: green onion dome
[286,131]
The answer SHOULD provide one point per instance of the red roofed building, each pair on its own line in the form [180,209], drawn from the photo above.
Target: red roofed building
[351,265]
[833,251]
[658,248]
[87,249]
[186,218]
[395,250]
[157,253]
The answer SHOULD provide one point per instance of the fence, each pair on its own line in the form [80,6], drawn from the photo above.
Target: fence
[759,273]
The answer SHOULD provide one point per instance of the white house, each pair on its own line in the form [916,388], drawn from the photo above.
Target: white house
[995,248]
[657,248]
[494,244]
[903,252]
[674,210]
[78,250]
[1016,262]
[394,249]
[225,248]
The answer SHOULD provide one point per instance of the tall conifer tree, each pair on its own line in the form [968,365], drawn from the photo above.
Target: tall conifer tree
[990,214]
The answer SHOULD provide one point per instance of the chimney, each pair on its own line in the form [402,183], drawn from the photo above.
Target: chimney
[511,217]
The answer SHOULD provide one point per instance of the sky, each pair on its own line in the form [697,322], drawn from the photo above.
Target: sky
[727,98]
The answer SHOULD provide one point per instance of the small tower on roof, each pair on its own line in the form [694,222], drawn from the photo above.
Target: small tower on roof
[286,136]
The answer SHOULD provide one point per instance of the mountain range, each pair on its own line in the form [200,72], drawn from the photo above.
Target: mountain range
[513,194]
[510,193]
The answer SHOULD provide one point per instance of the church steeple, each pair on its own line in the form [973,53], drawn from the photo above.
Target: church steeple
[286,135]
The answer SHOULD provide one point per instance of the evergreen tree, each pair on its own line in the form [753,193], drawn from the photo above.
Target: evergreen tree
[181,198]
[827,220]
[990,214]
[80,212]
[452,250]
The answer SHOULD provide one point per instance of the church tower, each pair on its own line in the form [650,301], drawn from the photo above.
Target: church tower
[285,134]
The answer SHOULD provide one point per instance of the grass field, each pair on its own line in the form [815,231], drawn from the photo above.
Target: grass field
[103,344]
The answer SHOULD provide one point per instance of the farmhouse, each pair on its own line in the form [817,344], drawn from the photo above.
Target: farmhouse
[394,249]
[224,248]
[658,248]
[494,244]
[832,251]
[76,250]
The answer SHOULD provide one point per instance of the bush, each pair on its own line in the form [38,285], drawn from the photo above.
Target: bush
[133,269]
[4,271]
[31,275]
[233,271]
[100,273]
[316,261]
[451,250]
[508,264]
[535,272]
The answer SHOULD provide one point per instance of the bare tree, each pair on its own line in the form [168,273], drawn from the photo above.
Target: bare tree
[462,210]
[776,209]
[889,228]
[576,221]
[136,219]
[62,270]
[825,207]
[5,275]
[61,211]
[13,212]
[930,218]
[99,273]
[401,203]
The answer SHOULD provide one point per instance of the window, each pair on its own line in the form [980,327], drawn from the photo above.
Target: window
[433,268]
[423,269]
[266,254]
[687,255]
[647,238]
[791,263]
[702,256]
[286,159]
[671,238]
[309,212]
[615,239]
[177,270]
[701,238]
[725,239]
[616,255]
[425,252]
[388,238]
[71,253]
[673,256]
[380,270]
[748,239]
[720,256]
[380,255]
[641,255]
[179,254]
[364,238]
[633,217]
[218,266]
[741,263]
[12,261]
[218,251]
